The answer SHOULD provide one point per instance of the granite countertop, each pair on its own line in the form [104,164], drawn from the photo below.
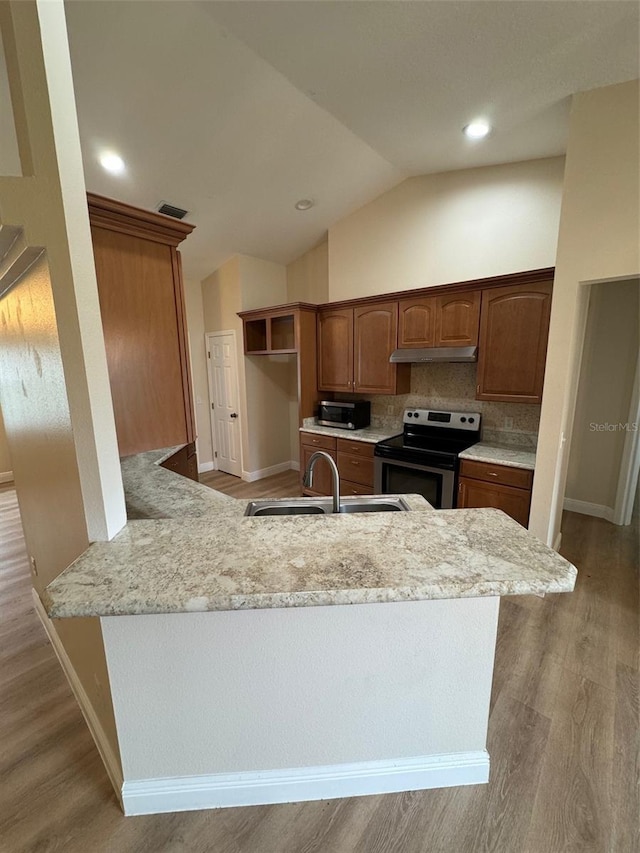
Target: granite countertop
[500,454]
[370,434]
[212,557]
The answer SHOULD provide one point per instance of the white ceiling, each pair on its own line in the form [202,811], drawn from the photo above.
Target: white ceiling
[234,110]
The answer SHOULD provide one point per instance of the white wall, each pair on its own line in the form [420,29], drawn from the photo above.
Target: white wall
[607,375]
[55,394]
[265,382]
[197,350]
[598,241]
[454,226]
[5,457]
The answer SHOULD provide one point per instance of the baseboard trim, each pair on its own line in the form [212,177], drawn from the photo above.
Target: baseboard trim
[558,542]
[294,466]
[587,508]
[203,467]
[186,793]
[6,477]
[109,759]
[261,473]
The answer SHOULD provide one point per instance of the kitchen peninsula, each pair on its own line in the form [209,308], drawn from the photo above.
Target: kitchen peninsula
[259,660]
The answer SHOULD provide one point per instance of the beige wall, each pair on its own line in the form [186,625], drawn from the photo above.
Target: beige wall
[5,457]
[598,241]
[265,382]
[55,389]
[607,375]
[197,350]
[455,226]
[308,276]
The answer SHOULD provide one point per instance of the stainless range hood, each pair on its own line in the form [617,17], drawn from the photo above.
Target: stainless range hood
[423,355]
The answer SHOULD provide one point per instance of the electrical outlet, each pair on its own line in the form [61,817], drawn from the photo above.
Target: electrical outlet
[389,410]
[34,565]
[508,423]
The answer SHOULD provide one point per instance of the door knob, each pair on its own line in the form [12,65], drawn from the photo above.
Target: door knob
[233,415]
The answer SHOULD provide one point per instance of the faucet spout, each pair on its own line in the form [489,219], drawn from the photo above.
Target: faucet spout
[335,476]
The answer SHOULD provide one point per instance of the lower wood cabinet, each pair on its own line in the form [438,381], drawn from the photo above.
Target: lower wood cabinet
[184,462]
[483,484]
[354,460]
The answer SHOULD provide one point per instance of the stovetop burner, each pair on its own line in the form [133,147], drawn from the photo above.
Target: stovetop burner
[432,437]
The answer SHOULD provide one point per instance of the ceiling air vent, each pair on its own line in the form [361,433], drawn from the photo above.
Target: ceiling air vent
[171,210]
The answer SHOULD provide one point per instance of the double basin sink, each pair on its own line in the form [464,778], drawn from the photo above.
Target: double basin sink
[320,506]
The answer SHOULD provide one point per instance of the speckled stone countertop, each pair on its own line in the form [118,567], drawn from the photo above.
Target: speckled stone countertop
[513,457]
[215,558]
[154,492]
[369,434]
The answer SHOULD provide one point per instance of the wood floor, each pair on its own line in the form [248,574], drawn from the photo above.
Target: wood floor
[563,735]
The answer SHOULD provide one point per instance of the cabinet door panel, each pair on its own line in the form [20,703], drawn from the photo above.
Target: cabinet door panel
[457,320]
[475,493]
[335,350]
[514,327]
[137,292]
[375,337]
[322,480]
[416,322]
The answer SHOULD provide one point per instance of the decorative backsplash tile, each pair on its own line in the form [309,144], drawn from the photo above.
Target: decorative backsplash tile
[453,386]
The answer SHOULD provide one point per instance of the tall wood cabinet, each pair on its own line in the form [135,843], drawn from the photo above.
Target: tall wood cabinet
[142,307]
[514,328]
[354,345]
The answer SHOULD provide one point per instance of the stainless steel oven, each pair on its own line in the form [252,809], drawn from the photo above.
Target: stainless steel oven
[436,485]
[423,460]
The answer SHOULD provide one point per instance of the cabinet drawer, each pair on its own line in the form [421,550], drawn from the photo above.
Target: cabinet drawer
[348,488]
[518,477]
[356,448]
[355,469]
[319,442]
[477,493]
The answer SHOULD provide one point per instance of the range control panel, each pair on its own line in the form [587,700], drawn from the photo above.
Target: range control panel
[452,420]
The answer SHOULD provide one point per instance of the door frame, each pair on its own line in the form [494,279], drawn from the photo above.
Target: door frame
[214,442]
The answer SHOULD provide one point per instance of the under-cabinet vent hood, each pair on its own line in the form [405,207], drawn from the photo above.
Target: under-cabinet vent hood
[428,354]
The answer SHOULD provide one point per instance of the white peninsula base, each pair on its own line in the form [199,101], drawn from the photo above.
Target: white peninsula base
[278,705]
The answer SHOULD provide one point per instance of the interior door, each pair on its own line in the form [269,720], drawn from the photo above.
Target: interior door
[223,396]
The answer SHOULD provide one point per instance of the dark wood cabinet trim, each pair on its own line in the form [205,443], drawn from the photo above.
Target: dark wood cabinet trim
[126,219]
[526,277]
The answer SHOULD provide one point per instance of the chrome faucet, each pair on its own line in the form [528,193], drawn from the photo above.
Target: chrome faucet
[308,476]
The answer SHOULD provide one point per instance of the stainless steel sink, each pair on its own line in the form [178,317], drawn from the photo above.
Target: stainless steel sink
[316,506]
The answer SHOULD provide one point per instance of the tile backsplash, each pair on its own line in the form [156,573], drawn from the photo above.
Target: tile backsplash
[453,386]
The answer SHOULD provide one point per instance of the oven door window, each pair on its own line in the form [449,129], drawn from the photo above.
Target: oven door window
[411,481]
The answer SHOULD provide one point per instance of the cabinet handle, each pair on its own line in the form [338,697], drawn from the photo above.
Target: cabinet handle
[355,462]
[315,441]
[492,473]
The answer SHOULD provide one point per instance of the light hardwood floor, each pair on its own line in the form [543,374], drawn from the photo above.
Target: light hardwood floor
[563,735]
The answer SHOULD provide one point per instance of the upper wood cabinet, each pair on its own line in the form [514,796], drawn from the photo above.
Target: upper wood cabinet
[416,323]
[449,320]
[457,319]
[514,327]
[335,350]
[287,329]
[354,346]
[142,308]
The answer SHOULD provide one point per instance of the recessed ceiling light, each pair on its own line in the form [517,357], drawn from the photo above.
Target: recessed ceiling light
[477,129]
[112,163]
[304,204]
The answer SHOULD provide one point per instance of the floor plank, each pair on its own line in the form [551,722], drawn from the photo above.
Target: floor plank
[563,733]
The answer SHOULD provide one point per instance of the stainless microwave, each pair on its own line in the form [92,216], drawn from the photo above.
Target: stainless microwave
[337,413]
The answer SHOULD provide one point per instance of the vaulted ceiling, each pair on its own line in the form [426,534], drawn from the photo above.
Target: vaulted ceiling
[235,110]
